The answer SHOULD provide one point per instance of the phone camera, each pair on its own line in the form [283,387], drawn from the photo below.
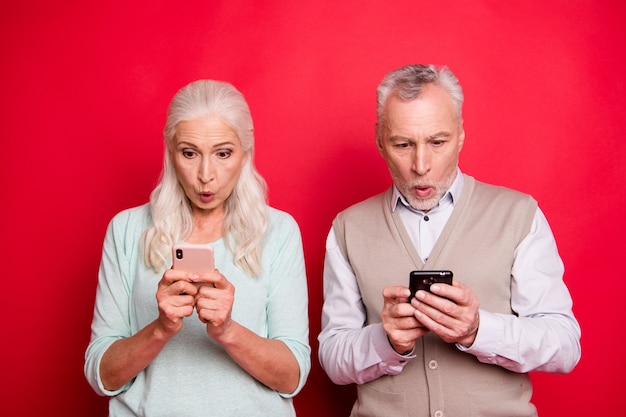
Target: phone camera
[179,254]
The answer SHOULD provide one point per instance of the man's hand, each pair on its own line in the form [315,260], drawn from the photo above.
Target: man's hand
[399,320]
[451,312]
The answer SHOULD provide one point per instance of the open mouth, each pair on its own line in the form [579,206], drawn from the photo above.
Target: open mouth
[422,191]
[206,196]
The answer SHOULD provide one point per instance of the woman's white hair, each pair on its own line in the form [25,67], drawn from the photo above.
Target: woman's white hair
[245,219]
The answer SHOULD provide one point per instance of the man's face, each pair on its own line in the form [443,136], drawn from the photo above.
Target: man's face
[421,141]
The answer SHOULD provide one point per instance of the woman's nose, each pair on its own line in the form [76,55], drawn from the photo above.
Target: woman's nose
[206,172]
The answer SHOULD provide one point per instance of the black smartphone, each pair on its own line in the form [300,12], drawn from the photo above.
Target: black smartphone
[422,280]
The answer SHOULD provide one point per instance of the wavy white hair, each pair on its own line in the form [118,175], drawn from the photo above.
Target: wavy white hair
[245,219]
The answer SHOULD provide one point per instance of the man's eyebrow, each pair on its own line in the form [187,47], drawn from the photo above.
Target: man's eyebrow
[439,135]
[395,138]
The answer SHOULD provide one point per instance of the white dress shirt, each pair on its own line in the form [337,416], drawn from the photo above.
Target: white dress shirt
[543,336]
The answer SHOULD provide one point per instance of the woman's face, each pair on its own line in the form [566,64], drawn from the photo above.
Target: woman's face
[208,158]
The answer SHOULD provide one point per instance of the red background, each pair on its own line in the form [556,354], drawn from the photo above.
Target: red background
[85,87]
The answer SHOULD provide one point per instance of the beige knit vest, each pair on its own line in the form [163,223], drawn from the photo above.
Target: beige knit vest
[477,244]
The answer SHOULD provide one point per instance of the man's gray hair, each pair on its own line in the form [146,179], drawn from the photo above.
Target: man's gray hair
[407,83]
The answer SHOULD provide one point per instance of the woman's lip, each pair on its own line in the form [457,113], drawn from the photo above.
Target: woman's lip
[206,197]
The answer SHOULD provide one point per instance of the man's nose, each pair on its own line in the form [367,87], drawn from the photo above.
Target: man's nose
[421,161]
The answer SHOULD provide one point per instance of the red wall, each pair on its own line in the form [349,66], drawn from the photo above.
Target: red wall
[84,90]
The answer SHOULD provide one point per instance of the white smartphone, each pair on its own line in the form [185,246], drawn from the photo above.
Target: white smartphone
[193,257]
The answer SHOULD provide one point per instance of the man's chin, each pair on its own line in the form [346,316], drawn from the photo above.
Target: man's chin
[423,204]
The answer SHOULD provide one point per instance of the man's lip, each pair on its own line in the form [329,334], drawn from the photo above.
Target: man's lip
[422,191]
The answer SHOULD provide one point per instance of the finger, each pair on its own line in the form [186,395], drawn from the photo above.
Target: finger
[214,298]
[448,322]
[220,282]
[453,292]
[438,309]
[396,294]
[434,300]
[212,278]
[405,323]
[403,340]
[176,307]
[433,315]
[183,300]
[172,298]
[182,287]
[460,294]
[223,297]
[434,303]
[450,330]
[212,311]
[171,276]
[401,310]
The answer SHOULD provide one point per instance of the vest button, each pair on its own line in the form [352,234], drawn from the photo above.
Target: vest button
[433,364]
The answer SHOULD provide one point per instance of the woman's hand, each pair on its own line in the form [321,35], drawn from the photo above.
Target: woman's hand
[214,302]
[175,299]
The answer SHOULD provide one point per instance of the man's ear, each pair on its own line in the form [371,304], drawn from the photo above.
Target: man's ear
[461,137]
[378,135]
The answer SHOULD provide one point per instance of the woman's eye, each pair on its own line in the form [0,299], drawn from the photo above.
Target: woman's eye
[223,154]
[188,153]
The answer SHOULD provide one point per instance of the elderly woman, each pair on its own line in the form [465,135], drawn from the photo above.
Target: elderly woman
[245,351]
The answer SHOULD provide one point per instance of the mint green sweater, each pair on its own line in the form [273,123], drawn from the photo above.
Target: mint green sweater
[193,375]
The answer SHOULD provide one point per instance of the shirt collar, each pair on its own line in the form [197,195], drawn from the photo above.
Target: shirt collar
[452,195]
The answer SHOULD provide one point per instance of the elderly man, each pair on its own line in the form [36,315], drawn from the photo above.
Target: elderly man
[456,350]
